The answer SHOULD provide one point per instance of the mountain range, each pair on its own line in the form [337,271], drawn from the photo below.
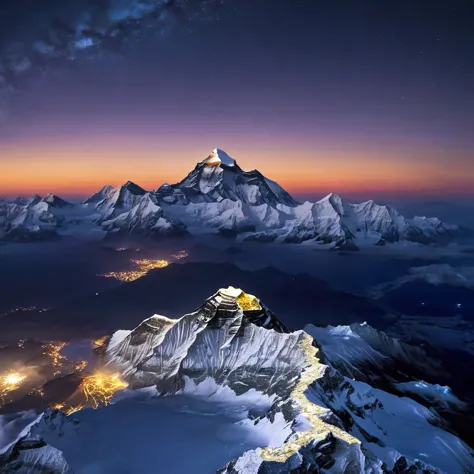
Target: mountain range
[342,400]
[218,197]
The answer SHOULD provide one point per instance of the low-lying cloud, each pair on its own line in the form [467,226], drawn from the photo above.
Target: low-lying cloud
[435,274]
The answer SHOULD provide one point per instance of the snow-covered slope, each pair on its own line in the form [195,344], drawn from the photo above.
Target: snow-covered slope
[363,353]
[145,218]
[118,200]
[359,351]
[35,219]
[305,416]
[100,195]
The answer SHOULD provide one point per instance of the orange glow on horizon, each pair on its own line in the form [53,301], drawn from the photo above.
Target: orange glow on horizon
[44,170]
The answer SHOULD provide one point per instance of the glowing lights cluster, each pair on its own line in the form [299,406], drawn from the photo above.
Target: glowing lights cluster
[58,360]
[142,267]
[96,390]
[248,302]
[10,382]
[99,388]
[100,342]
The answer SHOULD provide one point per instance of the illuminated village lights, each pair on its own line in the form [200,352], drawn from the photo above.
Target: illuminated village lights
[96,390]
[13,380]
[80,366]
[9,382]
[100,387]
[53,350]
[100,342]
[142,267]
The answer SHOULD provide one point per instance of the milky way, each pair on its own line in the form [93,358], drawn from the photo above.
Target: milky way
[37,36]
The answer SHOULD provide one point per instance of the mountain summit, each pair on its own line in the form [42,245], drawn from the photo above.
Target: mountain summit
[119,200]
[219,157]
[218,178]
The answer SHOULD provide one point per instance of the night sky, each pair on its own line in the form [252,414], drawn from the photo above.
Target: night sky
[356,97]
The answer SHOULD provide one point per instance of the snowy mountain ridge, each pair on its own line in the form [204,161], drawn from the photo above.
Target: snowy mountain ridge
[219,197]
[304,415]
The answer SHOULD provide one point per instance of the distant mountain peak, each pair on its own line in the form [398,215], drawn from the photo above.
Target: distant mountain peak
[335,201]
[134,188]
[56,201]
[99,195]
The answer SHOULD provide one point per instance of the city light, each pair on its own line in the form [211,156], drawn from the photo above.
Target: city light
[100,342]
[99,388]
[142,267]
[9,382]
[53,350]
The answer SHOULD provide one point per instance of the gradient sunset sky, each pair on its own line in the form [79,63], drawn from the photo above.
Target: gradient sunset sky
[355,97]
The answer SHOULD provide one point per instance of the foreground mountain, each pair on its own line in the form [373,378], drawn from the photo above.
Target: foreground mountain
[292,410]
[219,197]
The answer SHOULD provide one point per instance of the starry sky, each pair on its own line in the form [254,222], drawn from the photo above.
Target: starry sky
[363,98]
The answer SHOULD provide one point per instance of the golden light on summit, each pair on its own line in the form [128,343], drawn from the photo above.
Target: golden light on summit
[246,301]
[213,159]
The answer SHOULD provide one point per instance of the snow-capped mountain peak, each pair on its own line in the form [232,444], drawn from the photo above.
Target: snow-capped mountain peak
[99,195]
[144,218]
[133,188]
[218,178]
[119,200]
[35,199]
[332,202]
[56,201]
[219,157]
